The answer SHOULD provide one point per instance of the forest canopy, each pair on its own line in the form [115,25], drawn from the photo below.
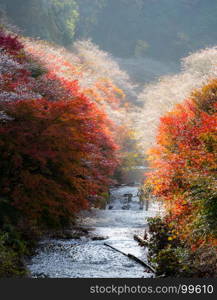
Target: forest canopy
[179,27]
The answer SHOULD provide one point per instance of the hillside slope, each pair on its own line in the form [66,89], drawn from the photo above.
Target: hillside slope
[163,30]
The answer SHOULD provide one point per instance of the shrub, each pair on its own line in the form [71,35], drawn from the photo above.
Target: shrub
[11,264]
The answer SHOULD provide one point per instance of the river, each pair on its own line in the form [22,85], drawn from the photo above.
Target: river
[87,258]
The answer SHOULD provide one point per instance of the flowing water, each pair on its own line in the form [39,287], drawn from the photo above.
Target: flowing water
[87,258]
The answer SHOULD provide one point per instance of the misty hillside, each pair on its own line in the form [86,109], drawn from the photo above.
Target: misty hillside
[164,30]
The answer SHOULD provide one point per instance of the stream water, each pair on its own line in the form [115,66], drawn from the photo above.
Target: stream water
[87,258]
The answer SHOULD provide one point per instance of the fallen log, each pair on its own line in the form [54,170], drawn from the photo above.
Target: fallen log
[136,259]
[140,240]
[115,249]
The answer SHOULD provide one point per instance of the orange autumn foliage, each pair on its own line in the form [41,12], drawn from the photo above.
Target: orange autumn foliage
[184,164]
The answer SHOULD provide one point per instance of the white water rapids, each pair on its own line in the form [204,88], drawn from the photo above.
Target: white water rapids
[87,258]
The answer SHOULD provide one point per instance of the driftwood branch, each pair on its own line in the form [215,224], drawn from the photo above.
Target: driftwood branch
[115,249]
[140,240]
[136,259]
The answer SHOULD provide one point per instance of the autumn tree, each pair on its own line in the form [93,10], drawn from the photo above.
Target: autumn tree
[58,151]
[184,166]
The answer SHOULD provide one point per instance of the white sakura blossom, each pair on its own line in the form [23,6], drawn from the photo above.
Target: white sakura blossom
[8,64]
[17,96]
[90,66]
[160,97]
[10,68]
[101,64]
